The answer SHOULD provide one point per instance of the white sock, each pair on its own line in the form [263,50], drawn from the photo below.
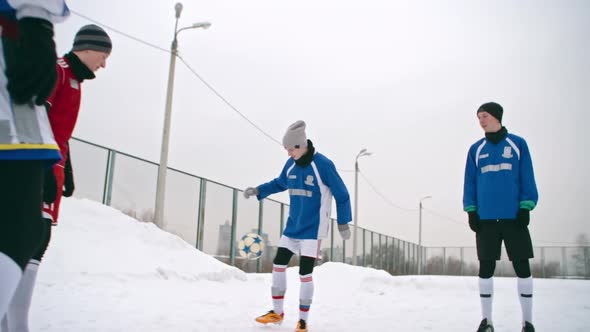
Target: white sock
[305,295]
[18,311]
[525,294]
[10,274]
[486,296]
[279,287]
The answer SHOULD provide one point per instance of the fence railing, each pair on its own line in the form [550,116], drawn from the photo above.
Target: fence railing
[212,217]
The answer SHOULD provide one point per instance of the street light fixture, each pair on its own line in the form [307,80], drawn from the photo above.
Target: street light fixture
[161,185]
[420,234]
[361,153]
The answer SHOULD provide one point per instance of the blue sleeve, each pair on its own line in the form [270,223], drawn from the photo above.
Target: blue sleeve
[470,183]
[333,180]
[528,195]
[274,186]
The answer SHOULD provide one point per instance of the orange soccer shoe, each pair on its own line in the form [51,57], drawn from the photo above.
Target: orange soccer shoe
[301,326]
[270,318]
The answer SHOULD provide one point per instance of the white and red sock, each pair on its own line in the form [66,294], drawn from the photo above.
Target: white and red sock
[305,295]
[279,287]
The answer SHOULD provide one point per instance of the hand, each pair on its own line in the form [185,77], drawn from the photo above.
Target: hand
[32,72]
[68,189]
[49,186]
[474,221]
[250,191]
[523,217]
[344,231]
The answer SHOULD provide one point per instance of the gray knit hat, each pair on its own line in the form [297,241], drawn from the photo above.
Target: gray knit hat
[295,136]
[92,37]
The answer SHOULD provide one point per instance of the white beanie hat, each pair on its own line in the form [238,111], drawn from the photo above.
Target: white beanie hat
[295,137]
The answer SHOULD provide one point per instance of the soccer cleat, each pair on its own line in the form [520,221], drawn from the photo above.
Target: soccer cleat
[270,318]
[528,327]
[484,326]
[301,326]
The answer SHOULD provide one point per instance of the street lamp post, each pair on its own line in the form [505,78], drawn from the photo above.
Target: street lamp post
[161,184]
[363,152]
[420,254]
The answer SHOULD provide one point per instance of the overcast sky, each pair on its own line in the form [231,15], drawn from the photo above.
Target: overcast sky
[402,79]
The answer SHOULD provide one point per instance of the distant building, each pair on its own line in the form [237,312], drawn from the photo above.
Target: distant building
[224,240]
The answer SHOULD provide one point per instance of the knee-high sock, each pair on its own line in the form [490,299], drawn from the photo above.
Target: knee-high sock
[305,295]
[10,275]
[486,296]
[279,286]
[18,311]
[525,294]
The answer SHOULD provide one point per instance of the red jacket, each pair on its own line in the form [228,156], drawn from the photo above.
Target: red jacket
[64,105]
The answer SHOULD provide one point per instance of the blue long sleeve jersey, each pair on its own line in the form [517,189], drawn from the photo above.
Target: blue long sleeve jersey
[310,192]
[499,178]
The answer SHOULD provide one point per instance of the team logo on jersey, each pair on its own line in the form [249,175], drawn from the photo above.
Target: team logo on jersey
[484,156]
[74,84]
[309,180]
[507,152]
[292,176]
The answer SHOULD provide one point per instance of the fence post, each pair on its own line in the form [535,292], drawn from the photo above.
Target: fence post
[372,251]
[332,240]
[201,213]
[587,261]
[393,253]
[343,247]
[543,262]
[386,253]
[260,219]
[108,178]
[234,219]
[363,251]
[462,261]
[564,263]
[444,271]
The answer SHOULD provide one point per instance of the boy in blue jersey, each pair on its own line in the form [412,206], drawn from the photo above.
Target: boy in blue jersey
[499,193]
[27,147]
[312,180]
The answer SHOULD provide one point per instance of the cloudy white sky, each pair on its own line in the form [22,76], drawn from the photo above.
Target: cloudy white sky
[402,79]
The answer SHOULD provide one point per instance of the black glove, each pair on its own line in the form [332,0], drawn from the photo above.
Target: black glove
[49,186]
[68,177]
[32,72]
[473,221]
[523,217]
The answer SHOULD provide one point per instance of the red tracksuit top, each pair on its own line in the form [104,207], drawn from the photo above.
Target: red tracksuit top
[64,106]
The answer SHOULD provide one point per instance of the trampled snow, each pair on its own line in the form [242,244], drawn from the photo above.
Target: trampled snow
[105,271]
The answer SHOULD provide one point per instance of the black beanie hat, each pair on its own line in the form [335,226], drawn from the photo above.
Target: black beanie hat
[92,37]
[494,109]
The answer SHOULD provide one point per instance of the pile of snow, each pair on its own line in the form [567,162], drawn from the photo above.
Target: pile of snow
[107,272]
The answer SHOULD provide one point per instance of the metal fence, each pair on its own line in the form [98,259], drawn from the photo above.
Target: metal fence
[212,217]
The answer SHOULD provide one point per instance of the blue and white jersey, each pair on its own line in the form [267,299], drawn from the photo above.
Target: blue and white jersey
[311,189]
[499,178]
[25,133]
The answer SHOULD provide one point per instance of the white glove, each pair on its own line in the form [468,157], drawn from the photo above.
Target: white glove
[344,231]
[250,191]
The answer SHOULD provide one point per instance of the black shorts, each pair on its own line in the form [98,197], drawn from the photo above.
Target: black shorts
[517,240]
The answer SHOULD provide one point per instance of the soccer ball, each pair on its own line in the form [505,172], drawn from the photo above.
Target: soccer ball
[251,246]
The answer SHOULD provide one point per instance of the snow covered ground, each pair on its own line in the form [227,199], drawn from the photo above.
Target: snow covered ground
[107,272]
